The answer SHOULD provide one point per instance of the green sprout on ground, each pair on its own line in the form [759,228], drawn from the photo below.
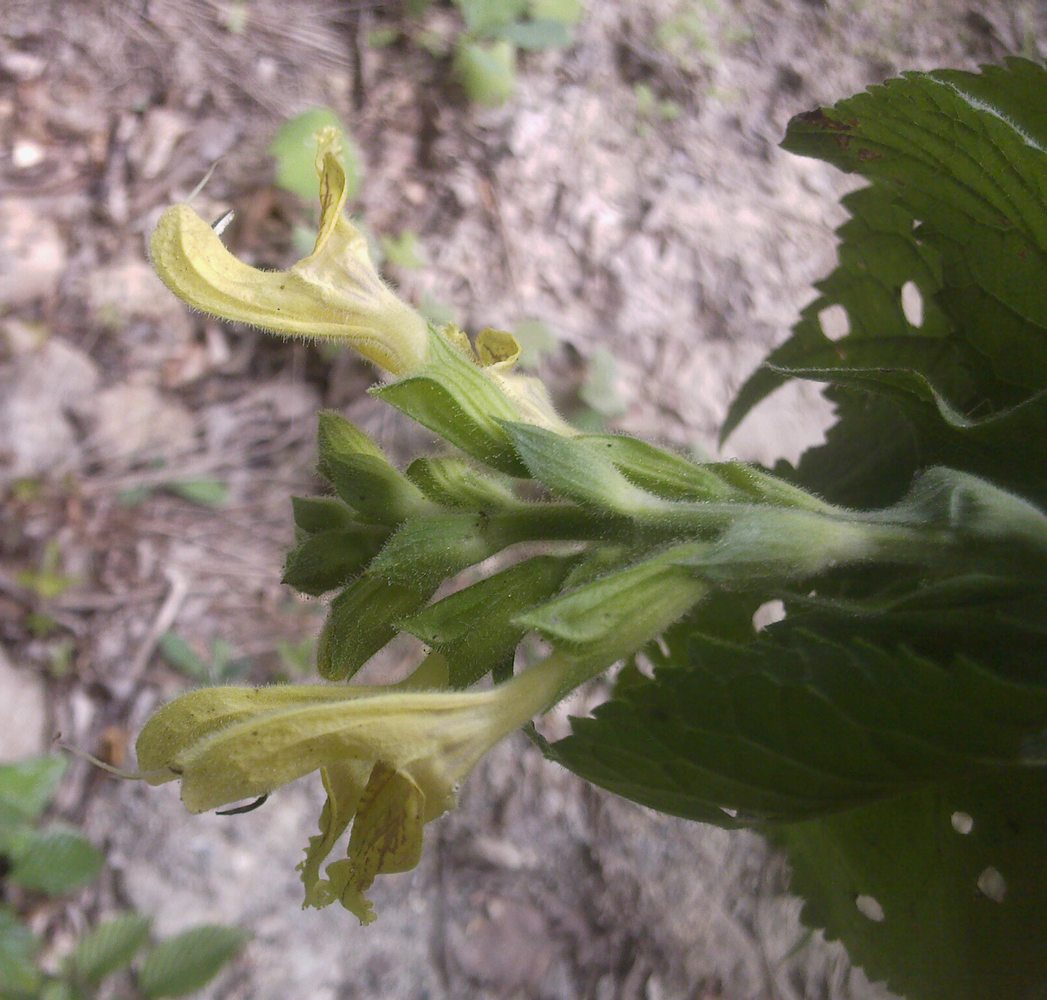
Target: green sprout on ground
[483,47]
[887,733]
[53,860]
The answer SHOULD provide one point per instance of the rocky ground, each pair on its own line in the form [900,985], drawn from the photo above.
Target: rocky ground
[681,243]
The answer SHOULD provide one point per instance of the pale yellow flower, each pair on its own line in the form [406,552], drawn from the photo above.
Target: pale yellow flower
[335,292]
[391,759]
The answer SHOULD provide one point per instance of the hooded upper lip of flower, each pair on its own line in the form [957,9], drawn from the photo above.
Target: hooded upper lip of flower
[334,292]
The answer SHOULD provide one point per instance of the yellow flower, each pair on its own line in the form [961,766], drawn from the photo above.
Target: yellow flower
[391,758]
[335,292]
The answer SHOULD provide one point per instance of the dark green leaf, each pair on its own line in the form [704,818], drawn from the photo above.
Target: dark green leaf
[964,152]
[941,892]
[878,255]
[475,628]
[189,961]
[794,725]
[331,558]
[957,211]
[315,514]
[424,551]
[361,621]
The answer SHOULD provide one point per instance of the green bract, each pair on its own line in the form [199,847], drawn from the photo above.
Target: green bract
[890,732]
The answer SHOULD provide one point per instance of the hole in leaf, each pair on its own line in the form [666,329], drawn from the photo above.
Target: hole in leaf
[835,322]
[912,303]
[767,614]
[644,665]
[733,813]
[869,906]
[992,885]
[962,822]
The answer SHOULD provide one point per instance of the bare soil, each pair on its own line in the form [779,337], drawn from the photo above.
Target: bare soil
[683,247]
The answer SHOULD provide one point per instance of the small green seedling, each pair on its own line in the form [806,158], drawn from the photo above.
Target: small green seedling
[54,860]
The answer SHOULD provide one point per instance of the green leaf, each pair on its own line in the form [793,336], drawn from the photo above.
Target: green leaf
[54,860]
[567,12]
[182,656]
[486,71]
[294,149]
[361,621]
[427,550]
[957,215]
[404,250]
[329,559]
[204,492]
[189,961]
[600,390]
[579,469]
[992,446]
[451,482]
[664,473]
[109,947]
[964,153]
[19,976]
[484,17]
[315,514]
[453,398]
[338,439]
[795,725]
[26,788]
[475,629]
[957,873]
[614,615]
[361,474]
[537,35]
[375,489]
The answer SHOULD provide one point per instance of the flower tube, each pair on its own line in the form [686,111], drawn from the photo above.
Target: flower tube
[391,759]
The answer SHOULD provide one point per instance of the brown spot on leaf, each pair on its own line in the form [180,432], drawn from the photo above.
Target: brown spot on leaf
[819,119]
